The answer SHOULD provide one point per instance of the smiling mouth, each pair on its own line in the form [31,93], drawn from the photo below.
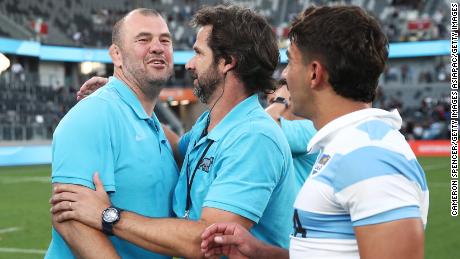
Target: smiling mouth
[157,62]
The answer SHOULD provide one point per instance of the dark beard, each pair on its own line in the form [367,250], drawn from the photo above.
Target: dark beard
[207,85]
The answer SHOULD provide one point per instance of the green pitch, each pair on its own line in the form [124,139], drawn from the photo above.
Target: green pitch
[25,229]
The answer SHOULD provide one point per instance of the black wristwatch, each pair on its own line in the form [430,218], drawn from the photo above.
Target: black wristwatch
[110,217]
[282,100]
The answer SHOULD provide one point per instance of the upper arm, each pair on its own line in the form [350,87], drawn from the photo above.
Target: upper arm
[298,133]
[94,245]
[251,167]
[387,197]
[83,144]
[210,216]
[402,238]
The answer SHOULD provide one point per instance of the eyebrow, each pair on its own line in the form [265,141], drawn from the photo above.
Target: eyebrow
[196,49]
[143,34]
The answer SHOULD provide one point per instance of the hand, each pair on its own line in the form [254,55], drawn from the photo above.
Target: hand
[283,92]
[74,202]
[229,239]
[90,86]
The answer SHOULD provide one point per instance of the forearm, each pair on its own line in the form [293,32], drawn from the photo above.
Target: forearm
[175,237]
[85,242]
[275,110]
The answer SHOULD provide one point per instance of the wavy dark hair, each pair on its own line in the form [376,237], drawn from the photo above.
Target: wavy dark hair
[348,42]
[246,36]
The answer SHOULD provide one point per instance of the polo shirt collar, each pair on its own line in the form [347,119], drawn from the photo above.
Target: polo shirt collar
[129,97]
[234,117]
[326,134]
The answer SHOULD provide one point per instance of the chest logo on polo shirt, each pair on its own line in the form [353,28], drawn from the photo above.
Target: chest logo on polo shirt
[321,163]
[206,164]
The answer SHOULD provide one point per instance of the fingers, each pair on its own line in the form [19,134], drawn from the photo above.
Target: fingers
[82,94]
[209,242]
[63,196]
[90,86]
[65,216]
[213,252]
[216,228]
[94,83]
[62,206]
[227,240]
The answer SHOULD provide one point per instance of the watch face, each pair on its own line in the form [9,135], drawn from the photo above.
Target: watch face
[110,215]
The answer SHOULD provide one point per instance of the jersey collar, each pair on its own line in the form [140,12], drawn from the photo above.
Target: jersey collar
[129,97]
[236,116]
[326,134]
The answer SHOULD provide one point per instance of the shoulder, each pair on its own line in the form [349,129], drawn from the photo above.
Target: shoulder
[367,134]
[94,112]
[261,130]
[372,163]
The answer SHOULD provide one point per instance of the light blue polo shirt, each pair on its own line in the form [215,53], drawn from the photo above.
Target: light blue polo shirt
[298,134]
[110,132]
[247,171]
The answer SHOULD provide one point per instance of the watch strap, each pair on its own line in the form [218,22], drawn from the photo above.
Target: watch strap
[107,227]
[281,100]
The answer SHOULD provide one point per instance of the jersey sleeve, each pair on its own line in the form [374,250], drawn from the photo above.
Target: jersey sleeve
[247,175]
[82,145]
[298,134]
[377,185]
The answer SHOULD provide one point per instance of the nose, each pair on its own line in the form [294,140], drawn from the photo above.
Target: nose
[190,65]
[156,47]
[284,73]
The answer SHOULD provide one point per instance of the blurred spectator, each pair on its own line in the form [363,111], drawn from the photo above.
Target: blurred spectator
[18,72]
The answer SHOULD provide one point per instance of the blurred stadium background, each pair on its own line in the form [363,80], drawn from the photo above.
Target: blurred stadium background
[49,47]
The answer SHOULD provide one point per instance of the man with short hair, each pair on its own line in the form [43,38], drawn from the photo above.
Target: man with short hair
[367,195]
[115,132]
[237,166]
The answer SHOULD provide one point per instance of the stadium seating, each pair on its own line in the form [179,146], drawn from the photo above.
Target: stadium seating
[89,23]
[417,86]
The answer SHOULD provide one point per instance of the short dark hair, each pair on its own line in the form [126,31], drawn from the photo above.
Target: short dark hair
[116,30]
[349,42]
[241,33]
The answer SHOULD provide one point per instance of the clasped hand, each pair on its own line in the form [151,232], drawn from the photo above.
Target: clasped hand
[80,203]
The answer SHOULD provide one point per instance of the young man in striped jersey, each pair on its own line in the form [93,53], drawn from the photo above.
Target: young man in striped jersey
[367,195]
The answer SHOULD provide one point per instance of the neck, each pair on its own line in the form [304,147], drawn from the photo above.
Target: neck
[222,104]
[341,106]
[148,102]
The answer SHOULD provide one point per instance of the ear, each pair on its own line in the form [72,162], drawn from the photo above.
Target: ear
[317,74]
[115,54]
[228,64]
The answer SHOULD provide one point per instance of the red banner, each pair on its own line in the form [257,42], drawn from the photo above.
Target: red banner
[430,147]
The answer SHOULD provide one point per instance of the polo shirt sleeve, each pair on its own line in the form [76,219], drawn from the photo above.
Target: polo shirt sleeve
[298,134]
[82,145]
[248,170]
[377,185]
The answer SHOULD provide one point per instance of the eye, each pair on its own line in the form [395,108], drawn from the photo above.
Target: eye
[165,41]
[142,40]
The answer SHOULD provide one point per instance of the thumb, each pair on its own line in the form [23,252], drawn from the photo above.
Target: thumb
[227,240]
[98,183]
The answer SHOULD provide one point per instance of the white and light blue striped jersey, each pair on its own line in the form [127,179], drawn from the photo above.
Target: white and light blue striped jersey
[365,173]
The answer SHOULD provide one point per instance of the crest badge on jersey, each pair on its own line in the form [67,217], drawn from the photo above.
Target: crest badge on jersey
[206,164]
[322,161]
